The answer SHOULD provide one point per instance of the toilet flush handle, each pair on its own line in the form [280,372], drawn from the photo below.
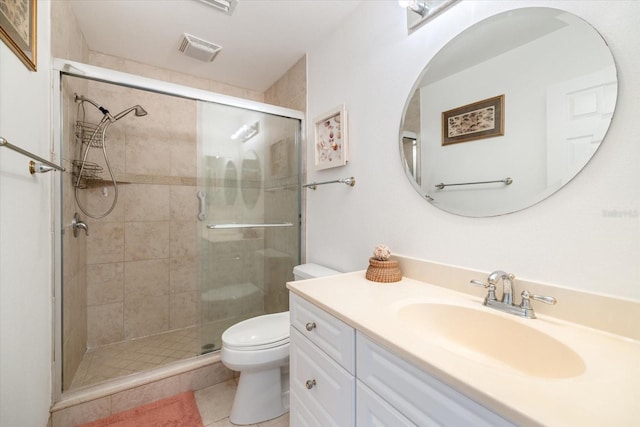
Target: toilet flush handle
[310,326]
[309,384]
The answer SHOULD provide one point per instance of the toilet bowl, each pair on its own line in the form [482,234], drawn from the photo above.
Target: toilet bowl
[259,349]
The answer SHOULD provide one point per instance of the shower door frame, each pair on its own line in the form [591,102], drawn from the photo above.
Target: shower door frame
[62,67]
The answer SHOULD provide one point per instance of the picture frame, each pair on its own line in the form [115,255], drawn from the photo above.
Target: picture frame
[18,29]
[479,120]
[331,145]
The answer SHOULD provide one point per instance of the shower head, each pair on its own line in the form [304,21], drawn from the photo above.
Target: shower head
[139,112]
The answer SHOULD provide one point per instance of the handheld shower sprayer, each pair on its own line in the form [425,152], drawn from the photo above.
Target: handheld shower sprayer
[93,135]
[139,112]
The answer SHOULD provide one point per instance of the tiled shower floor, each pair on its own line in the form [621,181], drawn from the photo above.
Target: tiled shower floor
[117,360]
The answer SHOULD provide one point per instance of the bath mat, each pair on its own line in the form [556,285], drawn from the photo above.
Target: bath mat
[177,411]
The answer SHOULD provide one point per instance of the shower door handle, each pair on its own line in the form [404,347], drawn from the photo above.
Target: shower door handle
[202,196]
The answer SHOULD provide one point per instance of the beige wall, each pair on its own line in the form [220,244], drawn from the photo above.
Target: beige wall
[291,89]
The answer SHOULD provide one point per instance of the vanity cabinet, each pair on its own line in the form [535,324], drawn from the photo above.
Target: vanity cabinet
[340,377]
[322,367]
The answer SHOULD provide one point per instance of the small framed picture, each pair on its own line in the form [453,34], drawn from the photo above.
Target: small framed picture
[482,119]
[331,143]
[18,21]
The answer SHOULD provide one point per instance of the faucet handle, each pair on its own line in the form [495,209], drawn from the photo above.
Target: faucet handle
[491,295]
[544,299]
[479,283]
[525,305]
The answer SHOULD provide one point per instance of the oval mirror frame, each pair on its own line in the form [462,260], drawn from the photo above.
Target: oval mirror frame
[526,97]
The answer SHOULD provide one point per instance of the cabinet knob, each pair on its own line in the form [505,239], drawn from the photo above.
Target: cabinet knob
[309,384]
[310,326]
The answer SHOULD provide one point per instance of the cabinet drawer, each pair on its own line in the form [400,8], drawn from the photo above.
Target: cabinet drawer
[372,410]
[330,399]
[333,336]
[423,399]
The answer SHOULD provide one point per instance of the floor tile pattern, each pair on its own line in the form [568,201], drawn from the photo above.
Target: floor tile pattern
[121,359]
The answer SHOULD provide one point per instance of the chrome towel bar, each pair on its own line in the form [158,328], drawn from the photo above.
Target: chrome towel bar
[506,181]
[351,181]
[40,167]
[231,226]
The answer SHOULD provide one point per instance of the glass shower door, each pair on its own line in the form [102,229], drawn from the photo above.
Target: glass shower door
[249,233]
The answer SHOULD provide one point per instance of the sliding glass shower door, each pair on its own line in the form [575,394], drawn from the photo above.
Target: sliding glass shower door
[249,215]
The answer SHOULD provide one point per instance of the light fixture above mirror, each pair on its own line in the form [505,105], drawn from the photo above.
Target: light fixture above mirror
[420,11]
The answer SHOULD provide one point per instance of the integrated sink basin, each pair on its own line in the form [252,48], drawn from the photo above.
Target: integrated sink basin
[497,338]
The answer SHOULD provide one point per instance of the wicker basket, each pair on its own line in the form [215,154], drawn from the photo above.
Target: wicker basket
[383,271]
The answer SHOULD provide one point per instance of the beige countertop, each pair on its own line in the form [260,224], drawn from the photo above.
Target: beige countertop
[605,393]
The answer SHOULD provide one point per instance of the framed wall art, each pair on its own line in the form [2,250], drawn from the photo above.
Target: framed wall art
[331,146]
[482,119]
[18,29]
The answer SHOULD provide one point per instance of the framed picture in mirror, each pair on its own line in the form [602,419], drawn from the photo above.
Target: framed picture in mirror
[18,29]
[479,120]
[331,143]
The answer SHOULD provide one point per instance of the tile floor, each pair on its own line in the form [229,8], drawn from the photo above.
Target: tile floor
[117,360]
[215,403]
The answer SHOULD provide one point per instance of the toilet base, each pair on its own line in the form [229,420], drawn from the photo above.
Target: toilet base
[259,397]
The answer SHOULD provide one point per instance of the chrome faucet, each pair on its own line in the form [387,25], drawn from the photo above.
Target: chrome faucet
[506,304]
[507,284]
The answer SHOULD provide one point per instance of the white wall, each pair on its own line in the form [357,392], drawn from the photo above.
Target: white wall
[25,238]
[586,236]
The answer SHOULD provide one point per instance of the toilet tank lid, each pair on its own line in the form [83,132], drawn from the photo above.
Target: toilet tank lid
[310,270]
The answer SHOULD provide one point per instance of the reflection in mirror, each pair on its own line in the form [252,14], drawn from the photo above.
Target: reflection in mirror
[420,11]
[230,183]
[251,174]
[559,83]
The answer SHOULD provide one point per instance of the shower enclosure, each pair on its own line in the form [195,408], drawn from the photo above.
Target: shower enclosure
[202,222]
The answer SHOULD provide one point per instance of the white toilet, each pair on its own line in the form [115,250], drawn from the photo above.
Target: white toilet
[259,349]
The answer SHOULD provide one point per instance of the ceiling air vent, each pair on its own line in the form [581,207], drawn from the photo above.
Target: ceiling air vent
[225,6]
[199,49]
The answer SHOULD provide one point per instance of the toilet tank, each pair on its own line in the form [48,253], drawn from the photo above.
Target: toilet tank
[310,271]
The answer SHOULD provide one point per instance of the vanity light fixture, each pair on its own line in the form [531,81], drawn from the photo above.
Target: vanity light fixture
[224,6]
[420,11]
[419,7]
[246,132]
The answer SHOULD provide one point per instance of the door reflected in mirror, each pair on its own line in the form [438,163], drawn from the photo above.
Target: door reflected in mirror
[560,87]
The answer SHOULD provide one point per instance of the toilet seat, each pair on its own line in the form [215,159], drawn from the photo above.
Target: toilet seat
[258,333]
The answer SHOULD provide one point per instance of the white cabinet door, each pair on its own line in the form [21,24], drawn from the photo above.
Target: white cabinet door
[373,411]
[322,392]
[332,335]
[420,397]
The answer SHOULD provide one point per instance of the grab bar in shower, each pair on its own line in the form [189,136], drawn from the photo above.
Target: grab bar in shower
[506,181]
[351,181]
[231,226]
[40,167]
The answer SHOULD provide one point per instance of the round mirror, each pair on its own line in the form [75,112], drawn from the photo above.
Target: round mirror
[230,183]
[508,112]
[251,178]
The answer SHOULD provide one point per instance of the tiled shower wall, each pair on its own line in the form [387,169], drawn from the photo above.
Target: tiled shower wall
[141,258]
[67,42]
